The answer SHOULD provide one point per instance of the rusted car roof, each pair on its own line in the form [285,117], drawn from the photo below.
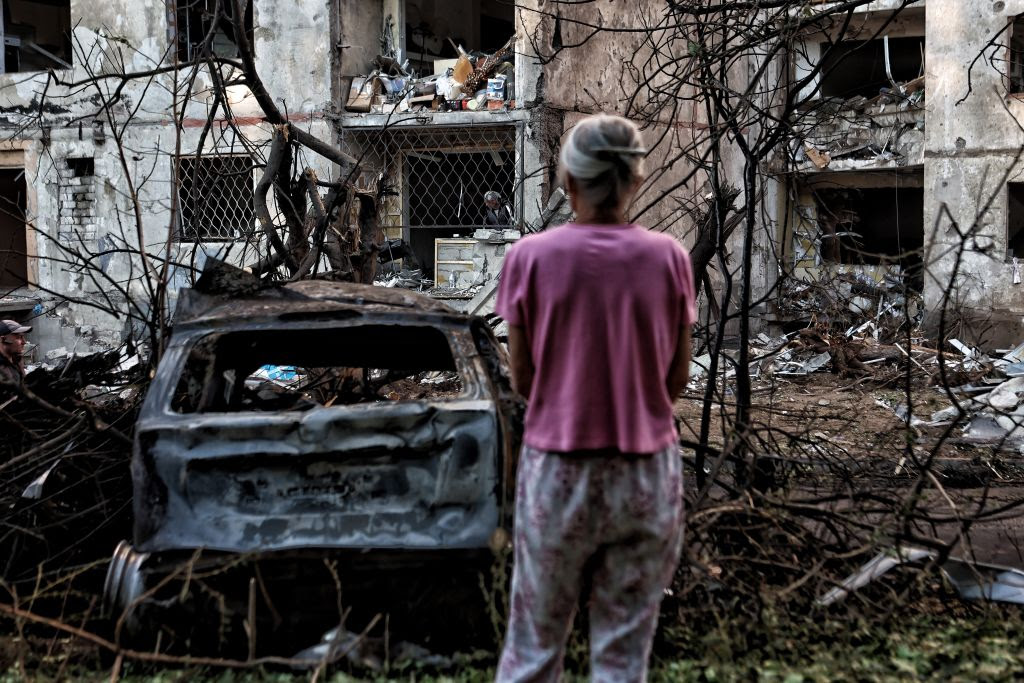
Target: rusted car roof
[305,297]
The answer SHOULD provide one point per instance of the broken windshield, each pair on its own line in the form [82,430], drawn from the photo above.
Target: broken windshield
[300,369]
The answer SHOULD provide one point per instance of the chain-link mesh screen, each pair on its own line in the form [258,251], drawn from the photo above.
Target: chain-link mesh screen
[436,176]
[215,198]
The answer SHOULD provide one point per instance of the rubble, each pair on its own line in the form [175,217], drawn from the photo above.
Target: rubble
[857,132]
[472,82]
[972,580]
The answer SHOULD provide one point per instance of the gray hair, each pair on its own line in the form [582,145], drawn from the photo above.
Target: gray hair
[604,155]
[492,195]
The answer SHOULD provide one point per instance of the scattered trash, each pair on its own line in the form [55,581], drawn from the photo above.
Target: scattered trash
[972,580]
[700,366]
[472,81]
[366,653]
[796,368]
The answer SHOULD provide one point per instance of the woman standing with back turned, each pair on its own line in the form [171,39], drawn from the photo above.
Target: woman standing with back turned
[599,315]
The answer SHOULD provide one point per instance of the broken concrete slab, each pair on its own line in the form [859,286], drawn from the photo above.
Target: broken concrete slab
[1006,396]
[945,415]
[700,366]
[984,427]
[798,369]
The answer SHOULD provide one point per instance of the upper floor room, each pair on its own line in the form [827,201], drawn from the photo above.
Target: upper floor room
[409,55]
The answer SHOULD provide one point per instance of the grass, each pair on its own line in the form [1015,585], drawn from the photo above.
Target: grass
[978,645]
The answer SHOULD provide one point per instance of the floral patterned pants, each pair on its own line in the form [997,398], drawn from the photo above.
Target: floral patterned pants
[609,521]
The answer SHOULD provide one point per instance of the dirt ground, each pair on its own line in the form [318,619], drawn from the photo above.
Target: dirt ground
[850,423]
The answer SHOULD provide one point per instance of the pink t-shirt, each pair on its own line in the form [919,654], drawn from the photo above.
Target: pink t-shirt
[602,306]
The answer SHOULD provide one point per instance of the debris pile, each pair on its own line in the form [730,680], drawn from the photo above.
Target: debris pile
[989,401]
[856,301]
[972,580]
[64,463]
[406,278]
[887,129]
[473,81]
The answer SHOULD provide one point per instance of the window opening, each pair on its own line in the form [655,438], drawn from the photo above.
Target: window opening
[872,226]
[13,241]
[1015,220]
[432,27]
[295,370]
[437,181]
[1017,54]
[854,68]
[215,198]
[36,34]
[82,167]
[193,20]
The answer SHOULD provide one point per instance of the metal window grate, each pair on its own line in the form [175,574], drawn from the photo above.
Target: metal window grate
[192,20]
[436,176]
[215,198]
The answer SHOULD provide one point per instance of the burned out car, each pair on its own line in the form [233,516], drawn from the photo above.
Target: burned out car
[318,425]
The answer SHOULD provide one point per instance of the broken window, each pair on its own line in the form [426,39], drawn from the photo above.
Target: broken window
[37,35]
[195,18]
[872,226]
[215,198]
[82,167]
[852,68]
[1015,220]
[289,370]
[13,243]
[435,180]
[432,26]
[1017,54]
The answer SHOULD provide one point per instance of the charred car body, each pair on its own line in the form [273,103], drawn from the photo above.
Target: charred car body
[318,424]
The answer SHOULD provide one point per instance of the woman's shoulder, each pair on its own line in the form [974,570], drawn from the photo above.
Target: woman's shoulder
[670,242]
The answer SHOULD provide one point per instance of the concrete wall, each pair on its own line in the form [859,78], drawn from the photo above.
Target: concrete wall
[361,25]
[972,147]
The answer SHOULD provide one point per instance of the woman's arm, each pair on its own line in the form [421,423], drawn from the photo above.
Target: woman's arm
[520,359]
[679,372]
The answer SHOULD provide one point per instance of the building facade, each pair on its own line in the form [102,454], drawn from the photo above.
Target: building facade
[115,144]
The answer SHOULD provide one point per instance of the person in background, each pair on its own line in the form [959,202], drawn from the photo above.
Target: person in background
[496,215]
[599,313]
[12,347]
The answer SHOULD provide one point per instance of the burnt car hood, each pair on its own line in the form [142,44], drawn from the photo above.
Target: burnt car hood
[406,475]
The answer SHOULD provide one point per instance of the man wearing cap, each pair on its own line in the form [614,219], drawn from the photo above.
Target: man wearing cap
[12,346]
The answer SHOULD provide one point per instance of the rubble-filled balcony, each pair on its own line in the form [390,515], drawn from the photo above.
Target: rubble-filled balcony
[860,133]
[450,199]
[431,59]
[862,103]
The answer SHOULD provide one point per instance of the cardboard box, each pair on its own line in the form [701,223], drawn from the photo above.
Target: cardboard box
[361,94]
[441,66]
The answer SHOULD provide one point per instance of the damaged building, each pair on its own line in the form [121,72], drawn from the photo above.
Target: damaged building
[445,104]
[903,136]
[442,106]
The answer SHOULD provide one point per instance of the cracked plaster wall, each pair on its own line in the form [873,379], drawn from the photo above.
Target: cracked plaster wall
[970,147]
[293,54]
[599,75]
